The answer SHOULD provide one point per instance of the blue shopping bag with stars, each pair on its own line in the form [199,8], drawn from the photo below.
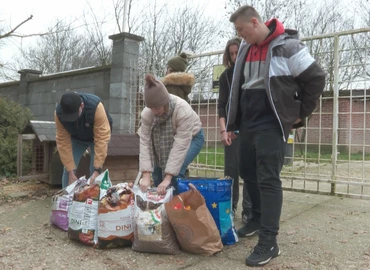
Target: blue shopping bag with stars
[218,196]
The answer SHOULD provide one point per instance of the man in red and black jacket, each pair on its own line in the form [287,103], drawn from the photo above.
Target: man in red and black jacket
[276,85]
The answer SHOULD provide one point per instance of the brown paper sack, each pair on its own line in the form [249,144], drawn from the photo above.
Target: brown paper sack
[195,228]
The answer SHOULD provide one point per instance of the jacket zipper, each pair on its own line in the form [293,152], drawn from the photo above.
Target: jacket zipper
[269,90]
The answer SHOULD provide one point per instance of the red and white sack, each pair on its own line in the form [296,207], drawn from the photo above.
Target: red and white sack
[83,215]
[116,212]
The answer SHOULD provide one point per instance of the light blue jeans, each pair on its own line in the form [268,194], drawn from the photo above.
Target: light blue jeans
[194,149]
[78,149]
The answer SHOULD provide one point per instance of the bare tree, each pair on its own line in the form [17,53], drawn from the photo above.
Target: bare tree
[96,37]
[12,31]
[288,12]
[8,71]
[133,21]
[168,31]
[154,49]
[6,33]
[308,17]
[363,9]
[61,50]
[44,55]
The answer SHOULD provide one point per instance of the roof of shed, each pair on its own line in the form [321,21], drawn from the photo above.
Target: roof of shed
[44,130]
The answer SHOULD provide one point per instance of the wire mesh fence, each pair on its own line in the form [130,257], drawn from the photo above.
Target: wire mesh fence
[30,157]
[331,155]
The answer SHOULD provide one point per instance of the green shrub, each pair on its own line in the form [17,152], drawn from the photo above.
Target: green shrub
[13,118]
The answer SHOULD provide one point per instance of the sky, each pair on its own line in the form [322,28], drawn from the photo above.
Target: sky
[44,12]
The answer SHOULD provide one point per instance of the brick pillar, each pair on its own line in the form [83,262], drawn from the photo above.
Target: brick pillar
[123,82]
[26,75]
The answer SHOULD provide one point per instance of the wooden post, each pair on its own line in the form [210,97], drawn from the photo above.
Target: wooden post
[47,151]
[34,157]
[19,155]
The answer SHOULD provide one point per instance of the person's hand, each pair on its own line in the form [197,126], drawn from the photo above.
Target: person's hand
[225,138]
[144,182]
[161,189]
[93,176]
[297,121]
[71,177]
[232,135]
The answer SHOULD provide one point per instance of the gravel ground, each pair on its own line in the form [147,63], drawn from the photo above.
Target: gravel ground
[317,232]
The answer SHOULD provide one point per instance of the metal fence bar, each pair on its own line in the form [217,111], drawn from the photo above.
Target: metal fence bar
[335,113]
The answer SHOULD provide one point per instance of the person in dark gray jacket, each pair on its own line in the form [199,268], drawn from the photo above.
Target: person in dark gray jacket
[230,139]
[276,85]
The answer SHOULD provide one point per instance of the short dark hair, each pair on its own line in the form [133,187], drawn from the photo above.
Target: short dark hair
[226,60]
[248,12]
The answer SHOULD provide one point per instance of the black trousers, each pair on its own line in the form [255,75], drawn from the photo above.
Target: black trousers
[261,160]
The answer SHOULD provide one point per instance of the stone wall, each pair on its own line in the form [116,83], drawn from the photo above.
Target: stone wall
[114,84]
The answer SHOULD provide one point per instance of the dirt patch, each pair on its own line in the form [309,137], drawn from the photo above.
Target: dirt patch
[317,232]
[13,190]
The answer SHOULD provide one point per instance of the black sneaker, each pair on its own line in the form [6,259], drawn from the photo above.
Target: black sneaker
[262,254]
[249,229]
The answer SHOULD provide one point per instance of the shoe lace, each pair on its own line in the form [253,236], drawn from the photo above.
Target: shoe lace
[260,249]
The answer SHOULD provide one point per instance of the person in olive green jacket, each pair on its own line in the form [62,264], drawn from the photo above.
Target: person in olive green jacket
[177,81]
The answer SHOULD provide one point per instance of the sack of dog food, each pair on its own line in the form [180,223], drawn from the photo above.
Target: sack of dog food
[153,232]
[60,202]
[116,211]
[83,215]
